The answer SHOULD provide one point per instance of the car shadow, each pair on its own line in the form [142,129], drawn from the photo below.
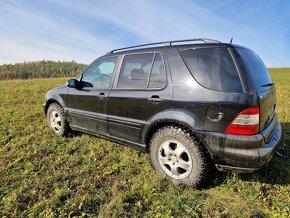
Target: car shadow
[277,171]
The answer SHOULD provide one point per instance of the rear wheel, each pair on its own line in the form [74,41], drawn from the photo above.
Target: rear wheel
[177,155]
[57,121]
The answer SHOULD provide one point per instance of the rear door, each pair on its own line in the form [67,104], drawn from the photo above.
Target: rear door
[141,91]
[263,84]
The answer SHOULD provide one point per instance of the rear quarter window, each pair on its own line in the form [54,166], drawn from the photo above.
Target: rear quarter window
[256,68]
[213,68]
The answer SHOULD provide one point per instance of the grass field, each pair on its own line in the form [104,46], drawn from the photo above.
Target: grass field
[43,175]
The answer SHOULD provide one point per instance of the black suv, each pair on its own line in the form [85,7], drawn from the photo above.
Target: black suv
[188,104]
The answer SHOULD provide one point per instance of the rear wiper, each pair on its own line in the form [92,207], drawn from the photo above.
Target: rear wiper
[268,84]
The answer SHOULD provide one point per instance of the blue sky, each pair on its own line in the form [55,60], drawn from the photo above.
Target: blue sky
[83,30]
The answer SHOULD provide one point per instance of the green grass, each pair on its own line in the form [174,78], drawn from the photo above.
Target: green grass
[43,175]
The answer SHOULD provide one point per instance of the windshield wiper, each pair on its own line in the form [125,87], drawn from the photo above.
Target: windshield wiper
[268,84]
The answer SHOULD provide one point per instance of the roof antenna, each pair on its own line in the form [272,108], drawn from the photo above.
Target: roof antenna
[231,40]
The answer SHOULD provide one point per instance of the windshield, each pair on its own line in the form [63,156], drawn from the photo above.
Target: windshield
[255,66]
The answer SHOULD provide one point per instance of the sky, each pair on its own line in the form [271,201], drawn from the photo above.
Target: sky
[83,30]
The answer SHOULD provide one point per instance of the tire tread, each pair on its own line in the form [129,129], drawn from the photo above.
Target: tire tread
[202,153]
[66,131]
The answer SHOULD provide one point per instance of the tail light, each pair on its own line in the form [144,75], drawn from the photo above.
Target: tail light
[246,123]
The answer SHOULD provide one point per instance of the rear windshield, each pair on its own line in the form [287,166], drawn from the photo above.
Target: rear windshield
[213,68]
[256,68]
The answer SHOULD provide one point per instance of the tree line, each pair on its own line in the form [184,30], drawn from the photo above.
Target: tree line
[40,69]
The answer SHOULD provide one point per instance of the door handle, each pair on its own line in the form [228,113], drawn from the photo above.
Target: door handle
[102,95]
[155,99]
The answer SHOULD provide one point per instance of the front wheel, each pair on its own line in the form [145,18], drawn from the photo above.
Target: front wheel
[57,121]
[177,155]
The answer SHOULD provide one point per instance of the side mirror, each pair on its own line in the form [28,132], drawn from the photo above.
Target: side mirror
[73,83]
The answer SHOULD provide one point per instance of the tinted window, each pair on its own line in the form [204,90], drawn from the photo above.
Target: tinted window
[135,71]
[213,68]
[99,74]
[256,68]
[158,74]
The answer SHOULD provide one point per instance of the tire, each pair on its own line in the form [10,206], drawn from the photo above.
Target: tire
[57,121]
[178,156]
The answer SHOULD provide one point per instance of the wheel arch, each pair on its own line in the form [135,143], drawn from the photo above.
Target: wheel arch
[49,102]
[182,119]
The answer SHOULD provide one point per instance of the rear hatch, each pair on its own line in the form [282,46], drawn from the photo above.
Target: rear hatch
[264,86]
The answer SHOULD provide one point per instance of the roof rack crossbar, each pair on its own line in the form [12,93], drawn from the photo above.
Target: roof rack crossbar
[167,43]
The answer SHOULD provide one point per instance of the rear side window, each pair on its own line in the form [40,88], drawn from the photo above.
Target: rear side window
[213,68]
[256,68]
[142,71]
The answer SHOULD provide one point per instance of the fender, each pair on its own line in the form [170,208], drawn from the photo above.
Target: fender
[58,95]
[177,116]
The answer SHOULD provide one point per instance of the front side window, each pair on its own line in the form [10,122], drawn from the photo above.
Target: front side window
[213,68]
[142,71]
[99,75]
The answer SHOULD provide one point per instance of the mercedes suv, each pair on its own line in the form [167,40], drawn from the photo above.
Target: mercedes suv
[191,104]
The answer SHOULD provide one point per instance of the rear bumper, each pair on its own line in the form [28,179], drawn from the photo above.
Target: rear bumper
[243,153]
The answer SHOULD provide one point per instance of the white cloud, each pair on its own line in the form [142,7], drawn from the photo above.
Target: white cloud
[33,36]
[152,20]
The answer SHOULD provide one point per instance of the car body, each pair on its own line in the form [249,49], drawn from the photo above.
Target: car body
[219,93]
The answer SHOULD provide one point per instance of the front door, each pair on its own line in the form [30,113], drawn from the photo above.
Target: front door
[87,106]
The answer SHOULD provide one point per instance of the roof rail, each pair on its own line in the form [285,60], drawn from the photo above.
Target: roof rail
[167,43]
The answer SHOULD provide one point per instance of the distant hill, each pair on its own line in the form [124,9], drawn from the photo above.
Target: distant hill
[40,69]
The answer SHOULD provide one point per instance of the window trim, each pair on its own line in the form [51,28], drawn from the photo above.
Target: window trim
[150,72]
[113,73]
[115,85]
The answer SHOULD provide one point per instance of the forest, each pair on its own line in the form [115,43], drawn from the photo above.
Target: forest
[40,69]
